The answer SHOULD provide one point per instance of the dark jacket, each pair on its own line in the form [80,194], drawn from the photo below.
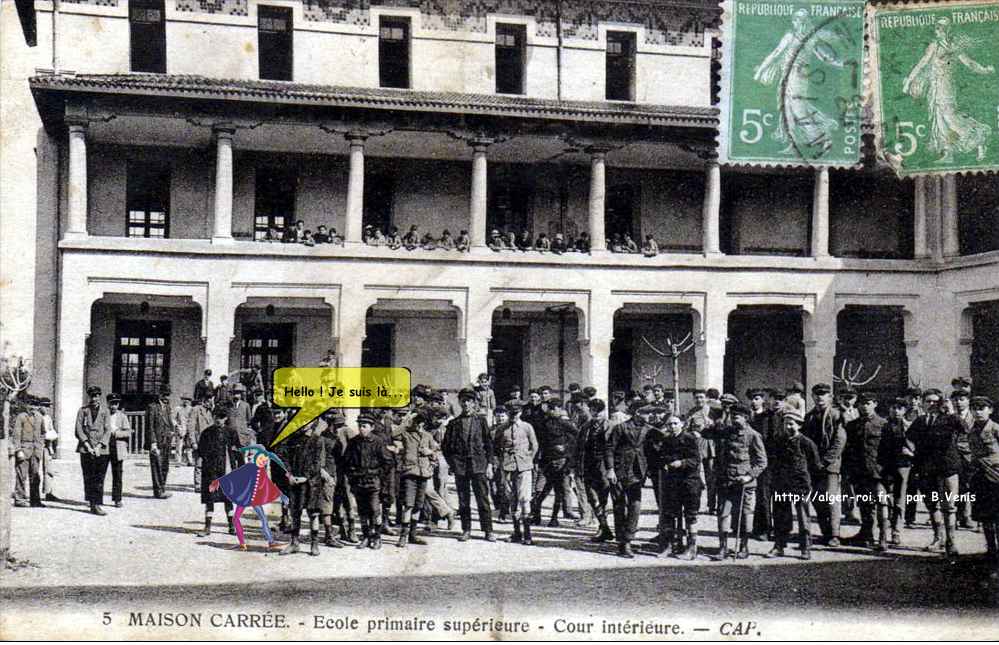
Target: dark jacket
[592,449]
[214,445]
[862,459]
[159,425]
[936,445]
[897,450]
[262,423]
[468,445]
[740,453]
[626,452]
[792,464]
[684,448]
[825,429]
[558,441]
[203,388]
[364,460]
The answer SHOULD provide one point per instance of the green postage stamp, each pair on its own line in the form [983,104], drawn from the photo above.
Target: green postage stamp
[936,86]
[792,82]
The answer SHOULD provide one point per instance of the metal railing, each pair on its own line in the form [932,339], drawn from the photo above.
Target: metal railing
[137,442]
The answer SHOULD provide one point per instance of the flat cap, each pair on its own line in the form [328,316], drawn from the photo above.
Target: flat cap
[739,409]
[589,391]
[797,386]
[238,387]
[821,388]
[729,398]
[466,394]
[867,396]
[981,402]
[755,391]
[501,409]
[366,418]
[795,416]
[93,390]
[165,389]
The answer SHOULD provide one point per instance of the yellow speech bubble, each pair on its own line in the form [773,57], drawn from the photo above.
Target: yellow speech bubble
[314,390]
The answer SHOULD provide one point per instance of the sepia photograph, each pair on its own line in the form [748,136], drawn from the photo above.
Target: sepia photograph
[482,320]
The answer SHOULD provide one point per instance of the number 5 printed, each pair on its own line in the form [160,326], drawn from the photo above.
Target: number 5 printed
[753,122]
[908,131]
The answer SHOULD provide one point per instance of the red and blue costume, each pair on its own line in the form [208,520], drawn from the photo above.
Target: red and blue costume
[250,485]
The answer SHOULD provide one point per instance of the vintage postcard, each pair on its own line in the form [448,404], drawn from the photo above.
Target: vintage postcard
[483,320]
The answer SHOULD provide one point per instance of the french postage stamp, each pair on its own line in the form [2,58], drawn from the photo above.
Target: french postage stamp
[936,86]
[792,78]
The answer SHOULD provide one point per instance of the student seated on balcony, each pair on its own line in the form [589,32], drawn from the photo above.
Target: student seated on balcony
[321,236]
[307,238]
[525,242]
[650,249]
[376,238]
[628,245]
[511,241]
[412,239]
[294,233]
[335,238]
[446,242]
[464,242]
[582,243]
[393,240]
[273,235]
[428,243]
[367,232]
[616,244]
[558,244]
[543,244]
[496,242]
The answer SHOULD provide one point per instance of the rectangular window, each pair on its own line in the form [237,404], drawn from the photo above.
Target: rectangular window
[267,346]
[148,200]
[141,360]
[275,35]
[147,36]
[510,41]
[620,66]
[275,200]
[393,52]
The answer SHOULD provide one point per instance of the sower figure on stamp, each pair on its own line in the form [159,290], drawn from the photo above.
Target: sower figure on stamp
[94,439]
[679,487]
[121,430]
[515,446]
[416,453]
[824,426]
[365,459]
[159,436]
[939,462]
[741,459]
[984,442]
[867,468]
[27,447]
[627,470]
[793,461]
[593,437]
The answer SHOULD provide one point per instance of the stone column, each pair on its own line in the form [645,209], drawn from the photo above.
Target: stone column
[934,217]
[709,352]
[820,214]
[477,353]
[74,331]
[220,323]
[222,231]
[950,232]
[354,218]
[479,203]
[711,226]
[595,352]
[598,197]
[77,225]
[820,343]
[919,232]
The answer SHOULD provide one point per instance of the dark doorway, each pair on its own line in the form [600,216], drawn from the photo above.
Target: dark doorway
[874,336]
[274,37]
[985,349]
[764,348]
[621,358]
[267,346]
[506,358]
[378,186]
[141,361]
[509,196]
[619,211]
[376,350]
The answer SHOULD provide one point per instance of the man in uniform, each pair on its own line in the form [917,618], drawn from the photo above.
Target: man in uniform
[824,426]
[741,459]
[467,448]
[159,435]
[27,447]
[93,435]
[865,465]
[515,446]
[626,472]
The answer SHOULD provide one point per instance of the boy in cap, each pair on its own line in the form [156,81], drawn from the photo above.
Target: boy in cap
[939,462]
[984,442]
[762,420]
[824,426]
[680,485]
[159,437]
[467,448]
[626,471]
[897,452]
[121,430]
[27,447]
[365,458]
[416,454]
[323,450]
[793,460]
[593,437]
[961,400]
[864,464]
[741,459]
[515,446]
[558,448]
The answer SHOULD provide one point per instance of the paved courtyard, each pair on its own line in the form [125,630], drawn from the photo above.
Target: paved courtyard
[145,558]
